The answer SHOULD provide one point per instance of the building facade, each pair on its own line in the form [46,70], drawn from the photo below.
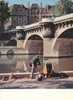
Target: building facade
[20,15]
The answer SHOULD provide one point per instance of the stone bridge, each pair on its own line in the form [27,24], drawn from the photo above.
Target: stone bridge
[47,30]
[52,37]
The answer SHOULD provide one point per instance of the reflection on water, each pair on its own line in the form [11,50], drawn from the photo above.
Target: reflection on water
[20,63]
[15,63]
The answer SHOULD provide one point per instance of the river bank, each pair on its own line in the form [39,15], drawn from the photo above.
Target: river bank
[50,83]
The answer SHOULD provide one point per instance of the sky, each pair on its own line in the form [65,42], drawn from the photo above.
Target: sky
[25,2]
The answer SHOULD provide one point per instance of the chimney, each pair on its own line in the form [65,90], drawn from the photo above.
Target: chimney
[40,14]
[41,4]
[29,4]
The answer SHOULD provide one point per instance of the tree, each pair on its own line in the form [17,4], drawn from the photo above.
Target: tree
[4,14]
[63,7]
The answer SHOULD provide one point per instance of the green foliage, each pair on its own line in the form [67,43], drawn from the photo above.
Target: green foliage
[4,12]
[63,7]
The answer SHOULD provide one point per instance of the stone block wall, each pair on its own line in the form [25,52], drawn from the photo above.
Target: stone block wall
[34,46]
[20,43]
[47,47]
[64,47]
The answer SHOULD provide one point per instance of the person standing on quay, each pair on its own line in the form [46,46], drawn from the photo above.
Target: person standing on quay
[36,62]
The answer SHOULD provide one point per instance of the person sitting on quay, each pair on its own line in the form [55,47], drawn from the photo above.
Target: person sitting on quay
[11,77]
[47,71]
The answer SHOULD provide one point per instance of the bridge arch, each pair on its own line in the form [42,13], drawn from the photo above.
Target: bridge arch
[29,35]
[12,42]
[60,33]
[63,29]
[63,48]
[34,44]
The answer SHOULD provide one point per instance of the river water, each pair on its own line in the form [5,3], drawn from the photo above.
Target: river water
[15,63]
[20,63]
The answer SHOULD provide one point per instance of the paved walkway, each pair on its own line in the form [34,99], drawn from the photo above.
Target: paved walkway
[50,83]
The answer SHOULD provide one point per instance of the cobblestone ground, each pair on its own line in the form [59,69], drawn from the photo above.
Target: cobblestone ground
[50,83]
